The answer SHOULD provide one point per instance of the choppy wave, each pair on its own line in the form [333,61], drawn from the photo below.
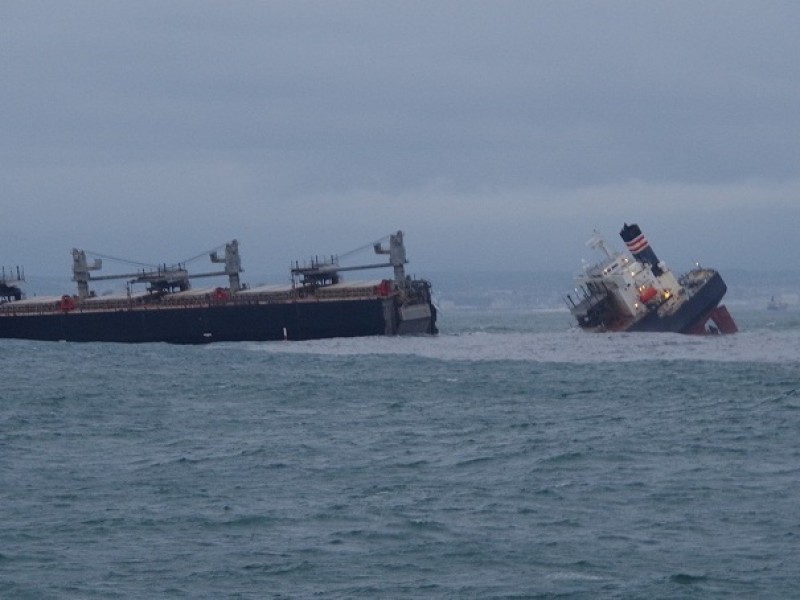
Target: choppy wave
[486,462]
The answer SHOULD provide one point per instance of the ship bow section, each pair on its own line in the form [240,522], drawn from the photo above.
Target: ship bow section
[707,315]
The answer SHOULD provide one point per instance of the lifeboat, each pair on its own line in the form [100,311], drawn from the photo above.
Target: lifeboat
[647,295]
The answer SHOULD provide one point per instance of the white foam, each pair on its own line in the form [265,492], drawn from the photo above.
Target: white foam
[570,346]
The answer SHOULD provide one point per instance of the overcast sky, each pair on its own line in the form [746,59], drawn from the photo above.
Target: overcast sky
[497,135]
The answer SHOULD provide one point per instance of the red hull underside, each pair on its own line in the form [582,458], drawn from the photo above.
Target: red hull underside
[718,320]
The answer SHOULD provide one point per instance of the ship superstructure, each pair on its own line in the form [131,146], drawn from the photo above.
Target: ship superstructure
[635,291]
[317,303]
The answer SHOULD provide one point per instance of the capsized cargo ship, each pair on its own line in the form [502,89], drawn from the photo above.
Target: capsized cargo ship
[635,291]
[317,303]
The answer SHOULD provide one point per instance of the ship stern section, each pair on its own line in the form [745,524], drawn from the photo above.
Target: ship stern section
[638,292]
[414,312]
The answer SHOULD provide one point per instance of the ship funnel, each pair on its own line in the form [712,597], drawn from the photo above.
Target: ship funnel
[640,248]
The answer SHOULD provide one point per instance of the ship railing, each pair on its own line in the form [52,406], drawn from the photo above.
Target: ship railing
[202,300]
[100,303]
[588,297]
[40,308]
[265,297]
[696,277]
[323,293]
[370,289]
[186,301]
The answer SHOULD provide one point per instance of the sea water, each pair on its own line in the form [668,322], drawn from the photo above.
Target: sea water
[511,456]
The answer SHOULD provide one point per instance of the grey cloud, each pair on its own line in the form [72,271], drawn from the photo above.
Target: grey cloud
[238,112]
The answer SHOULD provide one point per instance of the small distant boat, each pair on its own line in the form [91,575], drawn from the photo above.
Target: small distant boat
[776,304]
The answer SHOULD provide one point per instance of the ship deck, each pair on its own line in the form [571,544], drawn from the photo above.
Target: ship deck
[196,298]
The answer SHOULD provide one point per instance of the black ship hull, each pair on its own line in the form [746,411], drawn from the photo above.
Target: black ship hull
[699,313]
[231,323]
[692,314]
